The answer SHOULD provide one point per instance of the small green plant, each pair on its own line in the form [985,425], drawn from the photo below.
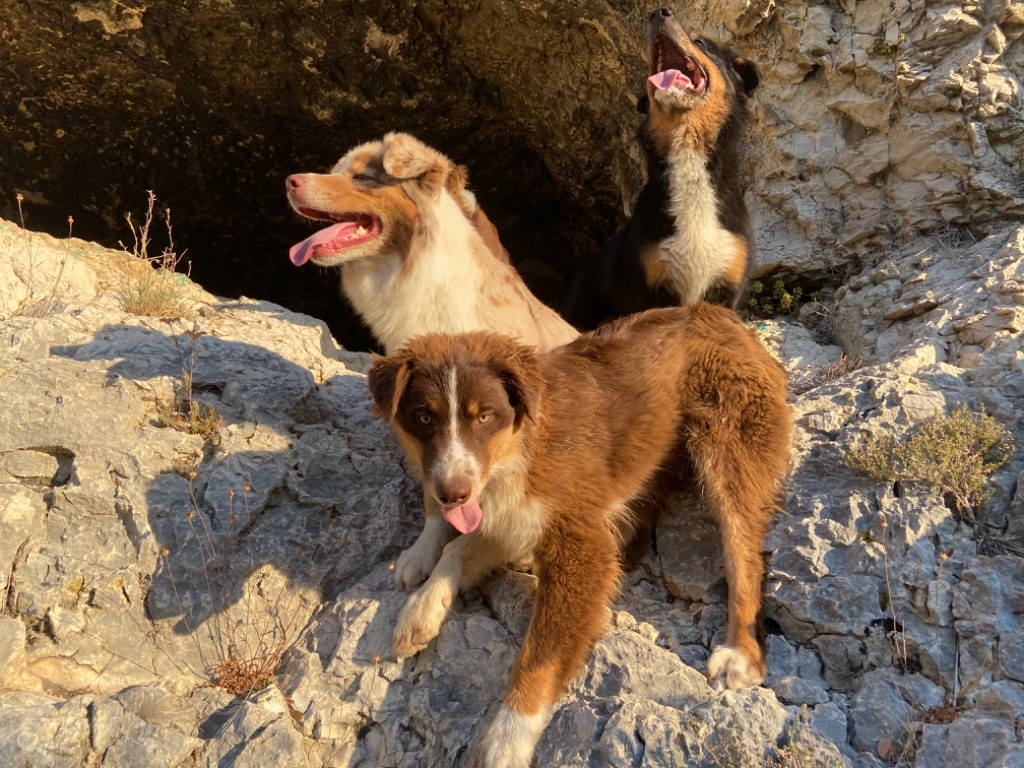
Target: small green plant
[156,289]
[955,454]
[883,50]
[780,300]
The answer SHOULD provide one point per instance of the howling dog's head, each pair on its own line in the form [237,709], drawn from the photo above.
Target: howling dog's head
[374,198]
[694,87]
[458,404]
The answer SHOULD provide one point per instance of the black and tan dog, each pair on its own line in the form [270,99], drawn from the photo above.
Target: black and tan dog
[689,238]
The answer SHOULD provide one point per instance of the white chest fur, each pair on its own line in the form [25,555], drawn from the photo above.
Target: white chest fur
[700,250]
[435,290]
[511,520]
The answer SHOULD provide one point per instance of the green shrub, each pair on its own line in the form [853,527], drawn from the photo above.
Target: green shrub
[883,50]
[780,300]
[955,454]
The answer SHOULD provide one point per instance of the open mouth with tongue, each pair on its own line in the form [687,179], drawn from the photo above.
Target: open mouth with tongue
[347,231]
[675,71]
[464,517]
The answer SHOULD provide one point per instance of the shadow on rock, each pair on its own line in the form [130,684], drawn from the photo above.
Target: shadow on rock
[295,491]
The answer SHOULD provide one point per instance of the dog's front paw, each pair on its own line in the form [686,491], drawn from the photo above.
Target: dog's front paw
[406,157]
[418,623]
[509,740]
[415,565]
[729,668]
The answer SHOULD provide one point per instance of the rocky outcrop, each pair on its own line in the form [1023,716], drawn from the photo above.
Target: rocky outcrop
[140,561]
[875,122]
[884,121]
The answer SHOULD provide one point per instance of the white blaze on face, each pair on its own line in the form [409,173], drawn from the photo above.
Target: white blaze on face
[456,458]
[456,462]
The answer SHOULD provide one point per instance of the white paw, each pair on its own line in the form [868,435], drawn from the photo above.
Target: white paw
[510,739]
[415,564]
[728,668]
[419,622]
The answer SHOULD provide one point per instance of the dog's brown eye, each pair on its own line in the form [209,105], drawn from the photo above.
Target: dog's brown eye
[483,418]
[425,418]
[699,43]
[361,177]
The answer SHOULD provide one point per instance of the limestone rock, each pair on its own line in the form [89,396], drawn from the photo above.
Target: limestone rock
[141,558]
[85,731]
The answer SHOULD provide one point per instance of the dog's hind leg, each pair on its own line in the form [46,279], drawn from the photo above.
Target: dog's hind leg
[577,575]
[742,522]
[740,452]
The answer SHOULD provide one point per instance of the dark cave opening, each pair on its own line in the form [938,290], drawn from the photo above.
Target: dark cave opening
[242,250]
[213,122]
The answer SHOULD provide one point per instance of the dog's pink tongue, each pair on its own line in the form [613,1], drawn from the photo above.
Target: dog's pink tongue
[465,518]
[300,252]
[664,80]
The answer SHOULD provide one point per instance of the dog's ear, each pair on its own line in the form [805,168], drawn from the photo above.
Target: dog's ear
[456,183]
[517,367]
[747,71]
[643,104]
[387,380]
[406,158]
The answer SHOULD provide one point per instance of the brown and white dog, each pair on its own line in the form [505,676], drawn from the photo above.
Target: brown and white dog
[539,456]
[417,254]
[689,238]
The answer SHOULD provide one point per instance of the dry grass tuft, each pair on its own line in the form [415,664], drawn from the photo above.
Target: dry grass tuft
[188,414]
[243,643]
[955,454]
[246,675]
[157,290]
[37,305]
[814,379]
[192,417]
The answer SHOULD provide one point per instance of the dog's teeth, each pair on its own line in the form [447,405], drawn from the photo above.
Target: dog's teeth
[361,231]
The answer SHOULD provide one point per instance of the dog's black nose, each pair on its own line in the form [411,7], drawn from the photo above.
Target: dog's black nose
[452,493]
[661,13]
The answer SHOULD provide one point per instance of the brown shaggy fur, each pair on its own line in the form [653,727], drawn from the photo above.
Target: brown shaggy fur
[557,446]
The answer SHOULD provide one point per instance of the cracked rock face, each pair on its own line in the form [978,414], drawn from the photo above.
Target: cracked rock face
[141,559]
[875,122]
